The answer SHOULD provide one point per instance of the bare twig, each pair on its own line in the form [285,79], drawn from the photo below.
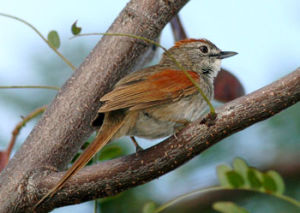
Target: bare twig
[42,37]
[4,155]
[30,87]
[22,123]
[177,28]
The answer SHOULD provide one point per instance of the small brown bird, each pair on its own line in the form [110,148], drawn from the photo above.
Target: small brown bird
[156,101]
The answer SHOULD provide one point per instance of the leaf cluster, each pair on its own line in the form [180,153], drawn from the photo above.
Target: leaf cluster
[239,176]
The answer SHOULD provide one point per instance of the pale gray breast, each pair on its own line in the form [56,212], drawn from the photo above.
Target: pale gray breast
[193,107]
[160,121]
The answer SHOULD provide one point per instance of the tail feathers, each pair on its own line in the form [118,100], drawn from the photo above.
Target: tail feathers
[102,138]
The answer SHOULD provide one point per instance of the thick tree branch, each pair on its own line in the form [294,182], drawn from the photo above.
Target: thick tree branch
[66,122]
[114,176]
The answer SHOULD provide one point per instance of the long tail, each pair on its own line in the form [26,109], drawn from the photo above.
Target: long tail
[109,129]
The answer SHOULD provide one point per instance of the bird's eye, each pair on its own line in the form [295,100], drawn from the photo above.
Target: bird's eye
[203,49]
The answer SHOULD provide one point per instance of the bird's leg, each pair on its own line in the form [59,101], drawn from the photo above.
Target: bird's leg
[181,125]
[138,148]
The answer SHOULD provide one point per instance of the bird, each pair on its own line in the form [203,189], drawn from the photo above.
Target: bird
[156,101]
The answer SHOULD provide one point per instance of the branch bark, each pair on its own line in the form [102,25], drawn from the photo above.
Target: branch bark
[114,176]
[66,123]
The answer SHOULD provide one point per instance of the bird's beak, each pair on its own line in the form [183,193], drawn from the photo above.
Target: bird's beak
[226,54]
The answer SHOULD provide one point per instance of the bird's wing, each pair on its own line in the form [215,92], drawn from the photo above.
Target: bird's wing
[142,90]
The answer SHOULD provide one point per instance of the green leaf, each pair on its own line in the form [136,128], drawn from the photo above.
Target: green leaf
[269,184]
[228,207]
[235,179]
[149,207]
[75,29]
[221,172]
[253,178]
[278,181]
[53,39]
[110,152]
[240,166]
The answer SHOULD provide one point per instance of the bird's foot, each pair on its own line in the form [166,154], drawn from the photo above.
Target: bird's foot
[138,148]
[209,120]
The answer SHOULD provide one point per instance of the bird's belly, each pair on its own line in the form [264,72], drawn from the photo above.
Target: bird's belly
[189,108]
[147,126]
[162,121]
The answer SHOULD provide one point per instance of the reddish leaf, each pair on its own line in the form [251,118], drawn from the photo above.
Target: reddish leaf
[227,87]
[3,159]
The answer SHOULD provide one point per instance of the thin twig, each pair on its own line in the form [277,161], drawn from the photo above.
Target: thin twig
[30,87]
[19,126]
[42,37]
[177,28]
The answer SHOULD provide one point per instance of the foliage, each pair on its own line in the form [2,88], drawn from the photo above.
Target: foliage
[53,39]
[240,177]
[228,207]
[75,29]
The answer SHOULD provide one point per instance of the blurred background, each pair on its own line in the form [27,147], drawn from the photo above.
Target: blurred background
[266,34]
